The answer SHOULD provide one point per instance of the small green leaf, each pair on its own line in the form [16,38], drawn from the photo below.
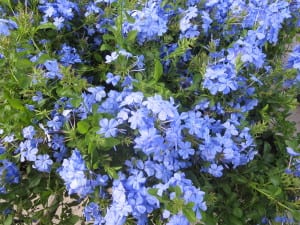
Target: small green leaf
[131,36]
[65,91]
[91,147]
[76,101]
[153,191]
[83,126]
[189,214]
[73,219]
[158,70]
[108,142]
[111,171]
[8,220]
[16,103]
[46,26]
[35,181]
[107,37]
[237,212]
[177,190]
[105,47]
[296,215]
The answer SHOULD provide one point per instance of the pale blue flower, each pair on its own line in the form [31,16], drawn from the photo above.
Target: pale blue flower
[6,26]
[43,163]
[108,127]
[28,132]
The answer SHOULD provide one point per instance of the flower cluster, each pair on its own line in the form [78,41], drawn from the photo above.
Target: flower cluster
[150,22]
[58,12]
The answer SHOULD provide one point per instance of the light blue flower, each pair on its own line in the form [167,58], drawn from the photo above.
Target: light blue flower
[28,132]
[43,163]
[6,26]
[108,127]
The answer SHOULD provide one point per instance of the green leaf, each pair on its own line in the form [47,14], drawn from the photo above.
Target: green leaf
[83,126]
[46,26]
[177,190]
[296,215]
[131,36]
[189,214]
[111,171]
[108,142]
[73,219]
[76,101]
[65,91]
[275,180]
[106,47]
[8,220]
[158,70]
[237,212]
[153,191]
[107,37]
[91,147]
[209,218]
[234,220]
[35,181]
[16,103]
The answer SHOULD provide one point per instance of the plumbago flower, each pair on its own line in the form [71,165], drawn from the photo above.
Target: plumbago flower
[6,26]
[58,12]
[9,174]
[147,111]
[150,22]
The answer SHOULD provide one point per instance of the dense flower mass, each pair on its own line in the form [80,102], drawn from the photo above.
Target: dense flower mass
[149,112]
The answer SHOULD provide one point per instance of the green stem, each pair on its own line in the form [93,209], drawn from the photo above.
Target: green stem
[252,185]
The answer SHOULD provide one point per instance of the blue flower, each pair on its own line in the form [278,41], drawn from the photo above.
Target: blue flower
[113,79]
[29,150]
[206,21]
[140,119]
[178,219]
[98,92]
[185,150]
[8,139]
[112,57]
[92,8]
[120,209]
[150,22]
[164,109]
[215,170]
[59,22]
[111,104]
[68,55]
[56,123]
[147,139]
[108,127]
[28,132]
[58,11]
[294,58]
[134,98]
[9,173]
[43,163]
[38,97]
[136,179]
[2,149]
[185,21]
[73,172]
[291,152]
[53,70]
[220,78]
[92,212]
[6,26]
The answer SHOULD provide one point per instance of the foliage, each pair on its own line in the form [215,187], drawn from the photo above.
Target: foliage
[149,112]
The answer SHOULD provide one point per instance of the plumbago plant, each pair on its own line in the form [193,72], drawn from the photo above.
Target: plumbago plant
[149,112]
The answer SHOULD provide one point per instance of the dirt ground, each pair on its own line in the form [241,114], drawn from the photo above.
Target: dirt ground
[295,117]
